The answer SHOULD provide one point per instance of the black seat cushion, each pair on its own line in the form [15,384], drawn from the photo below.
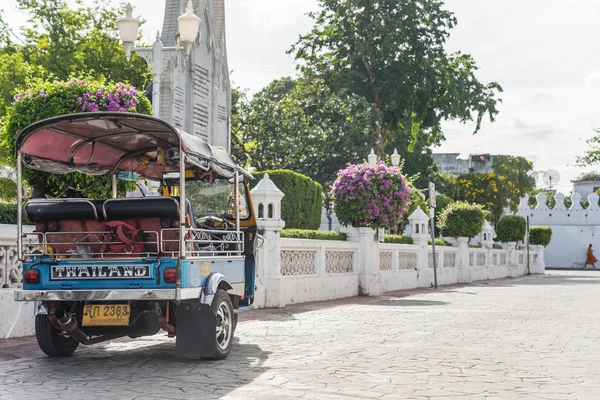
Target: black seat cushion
[60,211]
[147,207]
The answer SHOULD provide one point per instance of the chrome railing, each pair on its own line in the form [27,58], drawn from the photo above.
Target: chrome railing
[204,242]
[85,245]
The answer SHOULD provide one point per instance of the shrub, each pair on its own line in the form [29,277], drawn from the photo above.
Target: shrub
[316,235]
[540,235]
[497,247]
[50,99]
[440,242]
[370,195]
[511,228]
[302,205]
[8,189]
[462,219]
[399,239]
[8,213]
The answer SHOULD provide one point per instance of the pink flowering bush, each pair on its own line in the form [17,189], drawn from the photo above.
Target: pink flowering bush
[46,99]
[366,195]
[461,219]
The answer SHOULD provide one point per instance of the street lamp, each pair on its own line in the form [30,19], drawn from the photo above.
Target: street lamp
[128,30]
[189,25]
[372,158]
[395,158]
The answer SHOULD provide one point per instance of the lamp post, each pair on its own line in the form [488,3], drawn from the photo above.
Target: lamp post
[158,56]
[395,158]
[372,158]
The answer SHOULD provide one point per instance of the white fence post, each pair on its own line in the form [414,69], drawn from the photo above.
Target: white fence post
[539,267]
[463,264]
[419,232]
[369,275]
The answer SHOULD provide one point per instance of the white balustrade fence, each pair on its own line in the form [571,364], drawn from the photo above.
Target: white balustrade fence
[315,270]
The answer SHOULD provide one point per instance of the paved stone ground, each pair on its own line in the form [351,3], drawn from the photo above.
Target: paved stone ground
[533,337]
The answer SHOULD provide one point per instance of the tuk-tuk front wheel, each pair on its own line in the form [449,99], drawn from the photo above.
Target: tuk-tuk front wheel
[51,341]
[223,309]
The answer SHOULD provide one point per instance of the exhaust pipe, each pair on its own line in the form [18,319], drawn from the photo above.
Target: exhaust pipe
[67,323]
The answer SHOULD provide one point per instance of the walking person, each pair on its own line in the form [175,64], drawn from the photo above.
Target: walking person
[591,259]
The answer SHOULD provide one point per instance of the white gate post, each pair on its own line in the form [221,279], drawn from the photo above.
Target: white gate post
[267,207]
[369,276]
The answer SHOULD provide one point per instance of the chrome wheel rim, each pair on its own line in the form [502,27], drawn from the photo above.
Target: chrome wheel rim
[224,326]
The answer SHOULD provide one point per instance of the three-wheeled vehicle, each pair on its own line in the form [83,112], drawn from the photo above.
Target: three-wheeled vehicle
[98,270]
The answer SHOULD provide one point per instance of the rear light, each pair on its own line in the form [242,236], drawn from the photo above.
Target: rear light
[31,276]
[170,275]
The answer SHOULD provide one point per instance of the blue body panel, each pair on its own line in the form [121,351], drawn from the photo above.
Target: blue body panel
[194,273]
[154,281]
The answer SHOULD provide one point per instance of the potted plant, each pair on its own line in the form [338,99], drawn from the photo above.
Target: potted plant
[373,196]
[461,220]
[511,229]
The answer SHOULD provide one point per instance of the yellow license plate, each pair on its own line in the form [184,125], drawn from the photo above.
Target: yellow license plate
[106,315]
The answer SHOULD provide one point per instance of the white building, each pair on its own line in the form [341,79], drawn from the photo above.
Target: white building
[585,188]
[452,164]
[195,93]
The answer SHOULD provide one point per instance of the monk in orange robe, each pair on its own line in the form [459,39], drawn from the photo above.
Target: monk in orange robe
[590,258]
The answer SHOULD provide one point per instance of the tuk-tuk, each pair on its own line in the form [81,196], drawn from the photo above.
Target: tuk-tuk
[182,261]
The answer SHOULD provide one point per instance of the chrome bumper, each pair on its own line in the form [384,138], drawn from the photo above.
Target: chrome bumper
[101,295]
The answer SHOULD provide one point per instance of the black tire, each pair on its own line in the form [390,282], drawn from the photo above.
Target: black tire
[51,342]
[223,309]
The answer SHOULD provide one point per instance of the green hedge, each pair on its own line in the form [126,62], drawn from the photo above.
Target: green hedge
[316,235]
[399,239]
[462,219]
[440,242]
[301,207]
[540,235]
[8,189]
[8,213]
[511,228]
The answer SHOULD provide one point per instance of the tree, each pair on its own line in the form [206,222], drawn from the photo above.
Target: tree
[393,54]
[591,156]
[483,189]
[61,42]
[66,41]
[302,126]
[515,177]
[589,176]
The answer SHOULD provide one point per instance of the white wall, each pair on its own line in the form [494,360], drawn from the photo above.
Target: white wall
[573,229]
[568,248]
[16,318]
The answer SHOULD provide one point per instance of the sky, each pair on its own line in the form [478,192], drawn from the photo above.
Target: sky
[542,52]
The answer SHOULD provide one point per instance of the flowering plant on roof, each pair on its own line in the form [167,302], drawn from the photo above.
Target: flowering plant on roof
[366,195]
[46,99]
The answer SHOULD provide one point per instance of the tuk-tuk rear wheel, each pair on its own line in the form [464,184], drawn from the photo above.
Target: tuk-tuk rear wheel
[223,309]
[51,341]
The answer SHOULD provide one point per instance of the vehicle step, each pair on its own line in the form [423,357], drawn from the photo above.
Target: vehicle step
[243,309]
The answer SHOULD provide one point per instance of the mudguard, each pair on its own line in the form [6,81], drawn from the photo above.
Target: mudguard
[196,331]
[212,285]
